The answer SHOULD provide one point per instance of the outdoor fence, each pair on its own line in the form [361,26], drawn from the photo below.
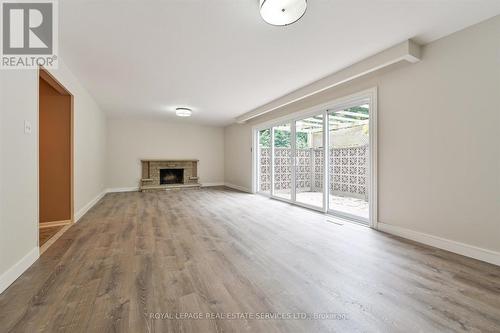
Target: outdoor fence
[348,170]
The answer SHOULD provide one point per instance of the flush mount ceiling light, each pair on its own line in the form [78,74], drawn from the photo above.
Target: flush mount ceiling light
[183,112]
[282,12]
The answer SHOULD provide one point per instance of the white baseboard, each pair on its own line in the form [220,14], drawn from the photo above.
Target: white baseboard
[467,250]
[7,278]
[212,184]
[89,205]
[122,189]
[237,187]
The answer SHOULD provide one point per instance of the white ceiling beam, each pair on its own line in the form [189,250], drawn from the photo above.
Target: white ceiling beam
[408,51]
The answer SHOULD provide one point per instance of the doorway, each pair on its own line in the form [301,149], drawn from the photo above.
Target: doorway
[55,153]
[323,158]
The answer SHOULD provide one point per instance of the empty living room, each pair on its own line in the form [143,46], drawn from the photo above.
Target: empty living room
[249,166]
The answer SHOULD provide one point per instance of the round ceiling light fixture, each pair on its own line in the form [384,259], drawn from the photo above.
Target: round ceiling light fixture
[282,12]
[183,112]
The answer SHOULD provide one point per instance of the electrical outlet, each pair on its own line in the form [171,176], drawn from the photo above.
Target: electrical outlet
[27,127]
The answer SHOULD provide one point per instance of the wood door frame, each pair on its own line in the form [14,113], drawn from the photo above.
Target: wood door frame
[59,87]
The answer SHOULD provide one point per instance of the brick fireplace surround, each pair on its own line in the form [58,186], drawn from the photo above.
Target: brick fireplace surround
[150,180]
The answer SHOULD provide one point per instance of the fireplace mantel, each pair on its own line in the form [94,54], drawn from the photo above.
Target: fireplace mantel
[151,181]
[169,160]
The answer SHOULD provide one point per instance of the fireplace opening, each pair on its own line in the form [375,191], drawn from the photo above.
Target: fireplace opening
[171,176]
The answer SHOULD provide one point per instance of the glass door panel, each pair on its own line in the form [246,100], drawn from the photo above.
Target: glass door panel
[309,161]
[282,161]
[348,149]
[264,161]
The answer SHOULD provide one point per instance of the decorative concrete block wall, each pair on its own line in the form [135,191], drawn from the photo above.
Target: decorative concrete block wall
[265,169]
[282,168]
[348,170]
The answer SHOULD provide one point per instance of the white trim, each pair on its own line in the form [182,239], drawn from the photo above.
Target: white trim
[15,271]
[407,51]
[326,162]
[347,221]
[351,217]
[122,189]
[467,250]
[255,149]
[373,159]
[311,207]
[238,187]
[271,163]
[275,197]
[212,184]
[88,206]
[293,147]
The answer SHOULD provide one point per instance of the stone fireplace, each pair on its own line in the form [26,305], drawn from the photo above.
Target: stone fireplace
[166,174]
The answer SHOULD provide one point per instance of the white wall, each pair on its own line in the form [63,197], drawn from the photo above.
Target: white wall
[130,140]
[238,156]
[438,139]
[18,173]
[19,163]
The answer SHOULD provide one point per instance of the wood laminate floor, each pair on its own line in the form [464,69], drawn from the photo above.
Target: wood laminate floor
[47,233]
[140,262]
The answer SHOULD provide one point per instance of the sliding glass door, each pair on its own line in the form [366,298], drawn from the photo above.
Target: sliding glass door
[264,161]
[348,151]
[282,161]
[322,161]
[309,161]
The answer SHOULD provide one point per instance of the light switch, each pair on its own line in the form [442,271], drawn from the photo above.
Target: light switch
[27,127]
